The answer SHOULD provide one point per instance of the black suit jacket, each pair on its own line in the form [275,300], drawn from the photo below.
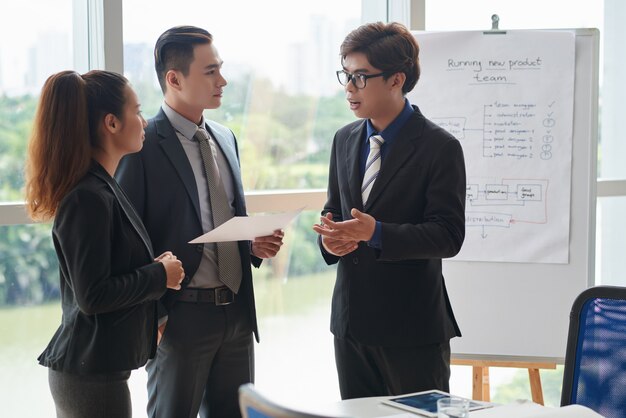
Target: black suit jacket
[109,281]
[160,183]
[397,296]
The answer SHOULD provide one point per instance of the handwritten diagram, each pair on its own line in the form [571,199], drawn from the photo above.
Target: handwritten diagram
[509,102]
[505,204]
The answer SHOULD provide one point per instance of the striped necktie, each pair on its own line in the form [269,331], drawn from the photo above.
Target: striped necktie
[372,166]
[227,252]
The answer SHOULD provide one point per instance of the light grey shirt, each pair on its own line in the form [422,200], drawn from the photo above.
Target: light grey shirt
[207,275]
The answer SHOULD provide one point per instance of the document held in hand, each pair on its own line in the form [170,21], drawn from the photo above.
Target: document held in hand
[242,228]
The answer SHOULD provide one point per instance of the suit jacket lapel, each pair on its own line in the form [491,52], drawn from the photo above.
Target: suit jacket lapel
[353,152]
[126,206]
[174,151]
[403,148]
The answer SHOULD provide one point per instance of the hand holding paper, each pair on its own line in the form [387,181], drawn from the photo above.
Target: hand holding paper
[246,228]
[267,246]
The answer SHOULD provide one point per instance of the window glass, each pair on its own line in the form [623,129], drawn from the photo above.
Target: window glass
[610,260]
[283,101]
[611,225]
[29,314]
[36,40]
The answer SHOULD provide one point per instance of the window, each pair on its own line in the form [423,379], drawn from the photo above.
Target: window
[29,53]
[36,40]
[611,226]
[283,101]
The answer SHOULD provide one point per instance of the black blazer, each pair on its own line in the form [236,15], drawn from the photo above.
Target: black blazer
[397,296]
[161,185]
[109,281]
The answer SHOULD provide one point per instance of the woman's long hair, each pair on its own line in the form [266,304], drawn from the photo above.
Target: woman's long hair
[64,133]
[58,151]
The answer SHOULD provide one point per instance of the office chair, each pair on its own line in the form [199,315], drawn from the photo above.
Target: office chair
[255,405]
[595,360]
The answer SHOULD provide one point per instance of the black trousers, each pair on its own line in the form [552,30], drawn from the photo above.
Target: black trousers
[382,371]
[205,354]
[90,396]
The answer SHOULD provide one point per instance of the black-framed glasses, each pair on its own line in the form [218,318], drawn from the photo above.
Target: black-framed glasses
[358,80]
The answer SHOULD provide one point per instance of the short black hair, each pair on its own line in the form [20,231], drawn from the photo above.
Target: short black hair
[174,50]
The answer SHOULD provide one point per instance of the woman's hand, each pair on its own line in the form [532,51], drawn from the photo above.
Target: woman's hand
[173,269]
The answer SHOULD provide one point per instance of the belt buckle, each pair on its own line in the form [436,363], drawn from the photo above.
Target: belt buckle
[223,296]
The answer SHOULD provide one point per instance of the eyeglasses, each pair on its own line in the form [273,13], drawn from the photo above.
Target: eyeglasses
[358,80]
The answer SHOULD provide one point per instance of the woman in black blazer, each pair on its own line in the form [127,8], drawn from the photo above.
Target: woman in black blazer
[110,280]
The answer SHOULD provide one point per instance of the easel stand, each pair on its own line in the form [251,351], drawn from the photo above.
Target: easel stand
[480,372]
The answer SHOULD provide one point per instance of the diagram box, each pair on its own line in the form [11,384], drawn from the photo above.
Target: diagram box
[496,192]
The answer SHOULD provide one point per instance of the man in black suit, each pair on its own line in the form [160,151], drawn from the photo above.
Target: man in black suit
[185,181]
[395,208]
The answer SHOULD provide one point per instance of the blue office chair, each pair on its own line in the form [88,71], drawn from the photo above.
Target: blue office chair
[255,405]
[595,361]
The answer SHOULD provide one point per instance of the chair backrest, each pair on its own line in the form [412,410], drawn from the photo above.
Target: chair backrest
[255,405]
[595,360]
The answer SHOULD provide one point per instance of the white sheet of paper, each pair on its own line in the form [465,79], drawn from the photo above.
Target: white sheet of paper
[241,228]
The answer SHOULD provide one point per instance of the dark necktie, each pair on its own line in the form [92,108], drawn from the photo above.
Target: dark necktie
[227,252]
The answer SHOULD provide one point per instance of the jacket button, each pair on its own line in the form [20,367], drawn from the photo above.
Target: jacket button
[355,260]
[200,248]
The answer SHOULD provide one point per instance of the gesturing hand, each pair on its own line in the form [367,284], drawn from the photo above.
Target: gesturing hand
[334,246]
[360,228]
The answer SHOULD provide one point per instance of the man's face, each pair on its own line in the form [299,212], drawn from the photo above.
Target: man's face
[203,86]
[373,101]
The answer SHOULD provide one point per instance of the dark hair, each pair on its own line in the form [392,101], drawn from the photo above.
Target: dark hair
[106,93]
[390,47]
[174,50]
[64,133]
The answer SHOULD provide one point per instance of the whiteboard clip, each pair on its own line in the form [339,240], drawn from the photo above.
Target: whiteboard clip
[495,21]
[495,30]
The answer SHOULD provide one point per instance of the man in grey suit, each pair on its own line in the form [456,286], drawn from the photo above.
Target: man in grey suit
[185,181]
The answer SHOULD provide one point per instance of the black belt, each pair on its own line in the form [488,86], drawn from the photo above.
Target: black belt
[219,296]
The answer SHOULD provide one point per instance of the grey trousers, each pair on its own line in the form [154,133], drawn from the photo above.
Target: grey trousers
[90,396]
[205,355]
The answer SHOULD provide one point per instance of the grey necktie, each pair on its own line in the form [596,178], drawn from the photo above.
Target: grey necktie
[227,252]
[372,166]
